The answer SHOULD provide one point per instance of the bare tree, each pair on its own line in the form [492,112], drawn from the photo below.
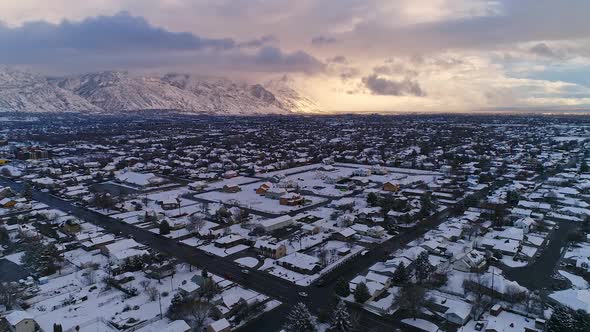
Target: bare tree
[152,293]
[198,313]
[145,284]
[196,222]
[7,293]
[323,256]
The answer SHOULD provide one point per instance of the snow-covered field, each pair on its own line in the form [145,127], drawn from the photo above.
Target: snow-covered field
[248,198]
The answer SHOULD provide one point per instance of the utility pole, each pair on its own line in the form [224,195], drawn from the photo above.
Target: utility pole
[160,302]
[492,284]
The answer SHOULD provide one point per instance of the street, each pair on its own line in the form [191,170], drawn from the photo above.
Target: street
[284,291]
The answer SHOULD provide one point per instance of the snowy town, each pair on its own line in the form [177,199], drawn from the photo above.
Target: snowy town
[333,223]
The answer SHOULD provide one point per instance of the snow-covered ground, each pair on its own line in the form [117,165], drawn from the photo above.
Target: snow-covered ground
[247,261]
[577,281]
[248,198]
[577,299]
[421,324]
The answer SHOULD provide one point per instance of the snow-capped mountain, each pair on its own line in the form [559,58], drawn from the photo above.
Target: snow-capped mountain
[113,91]
[285,93]
[26,92]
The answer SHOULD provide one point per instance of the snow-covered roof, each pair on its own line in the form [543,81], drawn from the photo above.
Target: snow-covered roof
[219,325]
[18,316]
[300,260]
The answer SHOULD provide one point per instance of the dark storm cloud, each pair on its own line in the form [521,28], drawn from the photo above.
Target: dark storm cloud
[128,41]
[105,33]
[296,61]
[386,87]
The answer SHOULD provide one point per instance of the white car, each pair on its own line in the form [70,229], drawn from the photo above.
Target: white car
[303,294]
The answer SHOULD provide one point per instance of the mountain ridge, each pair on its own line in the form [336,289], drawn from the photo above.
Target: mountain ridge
[120,91]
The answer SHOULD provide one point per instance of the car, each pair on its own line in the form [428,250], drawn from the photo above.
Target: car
[303,294]
[245,271]
[364,252]
[557,227]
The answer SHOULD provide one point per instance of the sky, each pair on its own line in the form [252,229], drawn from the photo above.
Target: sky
[349,55]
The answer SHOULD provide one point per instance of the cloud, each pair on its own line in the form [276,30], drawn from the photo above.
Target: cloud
[126,41]
[543,50]
[120,32]
[382,86]
[259,42]
[339,59]
[273,57]
[323,40]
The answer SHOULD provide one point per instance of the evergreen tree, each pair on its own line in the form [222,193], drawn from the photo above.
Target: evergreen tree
[582,321]
[422,267]
[401,275]
[164,228]
[361,293]
[426,204]
[27,190]
[561,320]
[341,320]
[300,320]
[372,199]
[584,167]
[175,308]
[411,299]
[512,197]
[341,288]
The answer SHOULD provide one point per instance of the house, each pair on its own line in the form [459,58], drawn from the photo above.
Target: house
[291,199]
[138,179]
[270,249]
[7,203]
[346,234]
[273,224]
[375,231]
[453,310]
[21,321]
[526,224]
[361,172]
[300,262]
[197,185]
[229,241]
[170,204]
[123,250]
[276,178]
[375,287]
[275,193]
[221,325]
[231,188]
[120,245]
[98,242]
[391,187]
[263,188]
[177,326]
[71,226]
[230,174]
[472,261]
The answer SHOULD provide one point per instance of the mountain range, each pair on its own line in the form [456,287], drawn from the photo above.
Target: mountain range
[116,91]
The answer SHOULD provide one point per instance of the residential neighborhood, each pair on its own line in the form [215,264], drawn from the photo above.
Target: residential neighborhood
[454,223]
